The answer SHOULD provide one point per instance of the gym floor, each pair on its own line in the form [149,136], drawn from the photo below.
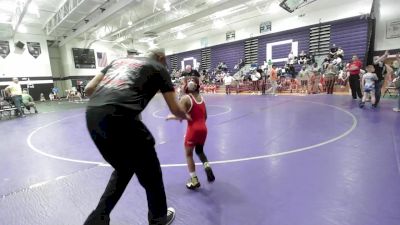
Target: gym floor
[285,160]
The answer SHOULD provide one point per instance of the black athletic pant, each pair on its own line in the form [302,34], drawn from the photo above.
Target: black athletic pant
[354,81]
[378,91]
[126,143]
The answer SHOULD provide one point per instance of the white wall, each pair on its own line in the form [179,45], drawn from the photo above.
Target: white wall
[68,60]
[19,63]
[322,10]
[385,11]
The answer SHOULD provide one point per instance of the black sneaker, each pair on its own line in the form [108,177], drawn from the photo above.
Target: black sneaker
[210,174]
[362,104]
[170,215]
[97,219]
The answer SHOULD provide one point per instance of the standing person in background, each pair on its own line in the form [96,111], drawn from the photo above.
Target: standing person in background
[118,95]
[330,78]
[354,68]
[15,91]
[315,79]
[189,72]
[255,77]
[263,81]
[396,80]
[380,71]
[228,80]
[304,76]
[273,77]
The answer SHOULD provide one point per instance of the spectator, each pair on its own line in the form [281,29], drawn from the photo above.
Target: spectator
[189,72]
[28,102]
[51,96]
[228,80]
[315,78]
[273,76]
[15,91]
[330,77]
[396,79]
[42,98]
[304,76]
[55,92]
[255,77]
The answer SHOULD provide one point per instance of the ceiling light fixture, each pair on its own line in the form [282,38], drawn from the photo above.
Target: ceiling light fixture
[130,23]
[167,6]
[33,9]
[180,35]
[5,18]
[7,6]
[218,24]
[146,39]
[22,29]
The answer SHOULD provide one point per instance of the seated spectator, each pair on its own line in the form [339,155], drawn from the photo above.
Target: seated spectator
[28,102]
[51,96]
[55,91]
[74,94]
[42,98]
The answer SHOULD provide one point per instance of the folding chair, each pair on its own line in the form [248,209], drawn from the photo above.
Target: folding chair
[390,89]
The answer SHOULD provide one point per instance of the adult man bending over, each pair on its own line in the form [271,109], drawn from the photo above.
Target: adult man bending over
[117,96]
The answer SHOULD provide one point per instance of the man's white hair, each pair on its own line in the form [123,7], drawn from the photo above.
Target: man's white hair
[155,51]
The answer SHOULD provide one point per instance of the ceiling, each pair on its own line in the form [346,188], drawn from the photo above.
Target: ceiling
[129,23]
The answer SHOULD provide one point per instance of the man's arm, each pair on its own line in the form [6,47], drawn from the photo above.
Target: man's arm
[382,58]
[91,86]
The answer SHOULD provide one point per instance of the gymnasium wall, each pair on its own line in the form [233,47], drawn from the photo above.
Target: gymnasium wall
[229,53]
[350,34]
[386,12]
[247,26]
[20,63]
[300,35]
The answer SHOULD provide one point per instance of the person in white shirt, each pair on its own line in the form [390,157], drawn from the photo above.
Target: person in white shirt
[15,91]
[255,77]
[228,80]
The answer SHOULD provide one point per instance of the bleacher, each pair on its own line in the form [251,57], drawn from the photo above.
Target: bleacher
[8,109]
